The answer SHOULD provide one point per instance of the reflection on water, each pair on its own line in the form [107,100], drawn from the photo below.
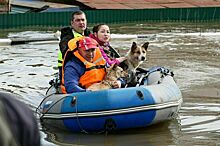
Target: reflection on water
[146,136]
[194,58]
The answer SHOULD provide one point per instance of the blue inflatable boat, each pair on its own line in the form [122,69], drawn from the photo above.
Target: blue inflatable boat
[155,98]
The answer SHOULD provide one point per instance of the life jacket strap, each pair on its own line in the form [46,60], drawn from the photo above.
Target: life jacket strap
[95,67]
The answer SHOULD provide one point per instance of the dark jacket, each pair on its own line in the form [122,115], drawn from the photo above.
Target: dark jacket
[66,35]
[19,121]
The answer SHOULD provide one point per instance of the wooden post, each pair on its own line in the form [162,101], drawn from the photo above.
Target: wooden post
[4,6]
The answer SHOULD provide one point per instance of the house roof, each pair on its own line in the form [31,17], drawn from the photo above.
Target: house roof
[147,4]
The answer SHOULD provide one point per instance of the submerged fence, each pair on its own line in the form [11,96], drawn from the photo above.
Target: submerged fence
[58,19]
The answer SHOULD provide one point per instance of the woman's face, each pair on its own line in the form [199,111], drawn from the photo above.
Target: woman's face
[103,34]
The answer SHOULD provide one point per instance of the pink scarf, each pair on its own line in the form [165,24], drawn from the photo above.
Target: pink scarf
[105,56]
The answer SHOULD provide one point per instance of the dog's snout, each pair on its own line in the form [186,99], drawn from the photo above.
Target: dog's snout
[142,58]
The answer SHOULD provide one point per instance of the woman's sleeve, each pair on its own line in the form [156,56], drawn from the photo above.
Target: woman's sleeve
[107,59]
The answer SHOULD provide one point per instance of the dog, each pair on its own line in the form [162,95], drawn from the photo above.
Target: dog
[113,73]
[133,59]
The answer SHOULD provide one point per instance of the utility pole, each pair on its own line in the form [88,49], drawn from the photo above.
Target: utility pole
[5,6]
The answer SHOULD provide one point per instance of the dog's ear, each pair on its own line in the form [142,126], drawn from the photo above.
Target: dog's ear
[134,46]
[145,45]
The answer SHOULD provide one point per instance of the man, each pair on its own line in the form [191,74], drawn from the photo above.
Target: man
[78,28]
[83,65]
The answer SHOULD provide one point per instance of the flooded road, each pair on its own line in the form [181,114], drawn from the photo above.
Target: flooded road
[194,57]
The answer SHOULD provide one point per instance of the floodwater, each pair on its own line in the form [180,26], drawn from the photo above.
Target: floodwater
[194,56]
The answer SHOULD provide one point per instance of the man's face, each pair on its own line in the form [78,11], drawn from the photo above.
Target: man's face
[87,54]
[79,23]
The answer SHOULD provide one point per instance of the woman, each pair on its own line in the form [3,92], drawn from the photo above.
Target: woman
[101,33]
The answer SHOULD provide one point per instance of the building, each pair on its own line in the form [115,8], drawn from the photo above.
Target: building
[4,6]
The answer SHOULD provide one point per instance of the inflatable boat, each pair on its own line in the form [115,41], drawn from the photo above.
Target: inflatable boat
[155,98]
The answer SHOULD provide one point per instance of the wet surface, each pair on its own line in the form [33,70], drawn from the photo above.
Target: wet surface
[194,57]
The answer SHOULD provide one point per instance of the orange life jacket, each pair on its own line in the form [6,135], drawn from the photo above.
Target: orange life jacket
[95,71]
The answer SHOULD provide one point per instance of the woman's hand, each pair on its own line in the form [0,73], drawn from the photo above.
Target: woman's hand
[121,59]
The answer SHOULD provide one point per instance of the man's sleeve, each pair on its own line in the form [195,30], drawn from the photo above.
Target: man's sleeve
[72,73]
[66,35]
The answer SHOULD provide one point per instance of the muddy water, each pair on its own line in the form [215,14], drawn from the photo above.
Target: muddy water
[193,56]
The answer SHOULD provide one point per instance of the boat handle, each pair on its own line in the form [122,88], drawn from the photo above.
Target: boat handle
[140,94]
[73,101]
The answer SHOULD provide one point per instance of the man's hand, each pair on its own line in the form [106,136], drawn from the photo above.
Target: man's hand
[116,84]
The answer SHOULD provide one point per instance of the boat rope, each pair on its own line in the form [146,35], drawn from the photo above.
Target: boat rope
[41,114]
[77,117]
[79,123]
[157,106]
[37,111]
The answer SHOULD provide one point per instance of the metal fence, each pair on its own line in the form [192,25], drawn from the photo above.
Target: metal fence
[59,19]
